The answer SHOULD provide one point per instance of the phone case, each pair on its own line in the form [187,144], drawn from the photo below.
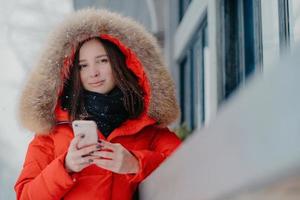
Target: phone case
[87,128]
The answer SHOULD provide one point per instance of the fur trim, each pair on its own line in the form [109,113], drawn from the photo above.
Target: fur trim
[40,95]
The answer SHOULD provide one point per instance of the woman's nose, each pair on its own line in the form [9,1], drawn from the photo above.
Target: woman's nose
[94,72]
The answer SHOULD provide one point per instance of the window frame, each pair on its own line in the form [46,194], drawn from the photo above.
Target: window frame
[192,79]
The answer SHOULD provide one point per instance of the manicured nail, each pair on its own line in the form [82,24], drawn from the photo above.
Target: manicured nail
[91,152]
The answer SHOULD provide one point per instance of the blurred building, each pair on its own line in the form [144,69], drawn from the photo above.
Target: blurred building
[214,46]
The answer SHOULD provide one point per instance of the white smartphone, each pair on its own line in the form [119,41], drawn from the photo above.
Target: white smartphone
[88,131]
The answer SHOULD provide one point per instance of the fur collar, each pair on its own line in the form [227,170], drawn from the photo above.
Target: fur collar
[40,95]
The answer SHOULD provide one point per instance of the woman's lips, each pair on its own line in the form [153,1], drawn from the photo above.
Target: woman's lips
[98,83]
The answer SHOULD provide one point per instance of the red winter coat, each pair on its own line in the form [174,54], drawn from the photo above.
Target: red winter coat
[43,175]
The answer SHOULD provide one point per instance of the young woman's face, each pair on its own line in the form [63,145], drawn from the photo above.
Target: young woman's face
[95,69]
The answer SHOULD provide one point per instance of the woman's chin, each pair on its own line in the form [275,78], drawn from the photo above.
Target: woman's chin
[102,89]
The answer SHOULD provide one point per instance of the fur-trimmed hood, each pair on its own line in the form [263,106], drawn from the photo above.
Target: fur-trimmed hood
[39,99]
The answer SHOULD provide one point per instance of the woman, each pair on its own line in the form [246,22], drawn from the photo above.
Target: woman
[103,67]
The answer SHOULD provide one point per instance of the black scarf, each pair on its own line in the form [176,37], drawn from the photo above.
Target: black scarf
[107,110]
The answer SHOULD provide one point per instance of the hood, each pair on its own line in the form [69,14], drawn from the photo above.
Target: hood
[39,103]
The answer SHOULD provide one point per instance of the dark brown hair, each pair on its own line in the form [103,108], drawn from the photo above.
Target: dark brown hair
[126,81]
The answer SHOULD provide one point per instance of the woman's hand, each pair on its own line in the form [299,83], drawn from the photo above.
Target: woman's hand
[78,159]
[115,158]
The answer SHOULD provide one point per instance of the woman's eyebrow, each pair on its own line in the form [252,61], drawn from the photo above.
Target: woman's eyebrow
[99,56]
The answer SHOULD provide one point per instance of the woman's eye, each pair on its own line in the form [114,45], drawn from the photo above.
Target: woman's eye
[104,60]
[82,66]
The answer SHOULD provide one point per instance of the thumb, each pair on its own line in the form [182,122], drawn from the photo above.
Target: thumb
[75,141]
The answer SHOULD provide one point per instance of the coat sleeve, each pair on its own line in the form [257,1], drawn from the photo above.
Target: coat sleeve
[164,143]
[43,176]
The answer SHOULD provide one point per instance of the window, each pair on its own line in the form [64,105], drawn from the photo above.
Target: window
[182,74]
[289,16]
[191,78]
[280,28]
[284,25]
[242,43]
[186,91]
[200,60]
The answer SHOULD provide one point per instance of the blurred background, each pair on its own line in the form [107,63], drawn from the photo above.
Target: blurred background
[211,47]
[24,26]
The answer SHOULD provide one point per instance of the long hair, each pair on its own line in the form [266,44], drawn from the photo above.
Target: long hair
[126,81]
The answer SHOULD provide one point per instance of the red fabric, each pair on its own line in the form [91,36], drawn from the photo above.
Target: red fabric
[44,176]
